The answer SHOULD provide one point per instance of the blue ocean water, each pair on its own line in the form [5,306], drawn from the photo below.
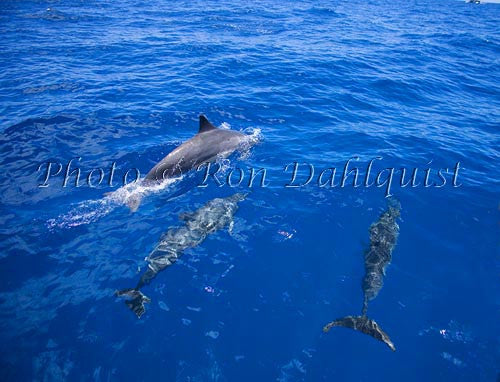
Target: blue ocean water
[316,82]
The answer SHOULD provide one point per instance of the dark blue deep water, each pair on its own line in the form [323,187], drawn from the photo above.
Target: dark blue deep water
[416,83]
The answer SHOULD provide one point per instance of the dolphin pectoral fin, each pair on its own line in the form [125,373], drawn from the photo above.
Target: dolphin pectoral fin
[205,125]
[136,302]
[364,325]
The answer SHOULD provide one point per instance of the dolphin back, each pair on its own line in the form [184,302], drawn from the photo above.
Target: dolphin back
[364,325]
[209,143]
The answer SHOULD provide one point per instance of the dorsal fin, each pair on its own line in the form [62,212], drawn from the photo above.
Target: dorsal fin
[205,125]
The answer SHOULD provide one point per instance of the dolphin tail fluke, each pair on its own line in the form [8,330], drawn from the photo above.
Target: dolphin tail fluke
[364,325]
[133,202]
[136,301]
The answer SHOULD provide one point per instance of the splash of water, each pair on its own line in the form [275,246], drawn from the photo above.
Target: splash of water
[89,211]
[253,136]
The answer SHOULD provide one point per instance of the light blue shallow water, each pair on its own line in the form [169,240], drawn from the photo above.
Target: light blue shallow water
[413,82]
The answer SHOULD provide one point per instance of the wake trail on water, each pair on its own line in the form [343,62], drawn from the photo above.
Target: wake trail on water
[89,211]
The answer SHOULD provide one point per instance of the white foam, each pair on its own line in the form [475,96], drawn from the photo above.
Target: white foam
[139,190]
[252,137]
[89,211]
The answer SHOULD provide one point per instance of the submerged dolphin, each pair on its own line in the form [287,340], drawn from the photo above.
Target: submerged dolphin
[383,237]
[207,145]
[215,215]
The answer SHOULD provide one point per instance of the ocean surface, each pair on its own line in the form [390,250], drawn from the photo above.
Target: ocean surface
[403,84]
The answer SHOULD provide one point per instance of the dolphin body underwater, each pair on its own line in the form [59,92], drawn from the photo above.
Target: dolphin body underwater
[383,237]
[213,216]
[206,146]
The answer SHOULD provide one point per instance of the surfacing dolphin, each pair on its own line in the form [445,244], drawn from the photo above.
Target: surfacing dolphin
[213,216]
[207,145]
[383,237]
